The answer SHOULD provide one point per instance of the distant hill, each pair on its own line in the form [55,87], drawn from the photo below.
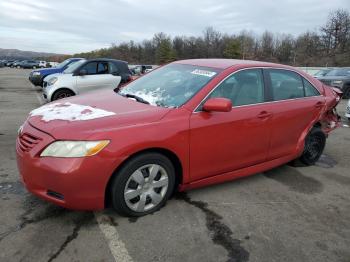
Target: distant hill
[19,54]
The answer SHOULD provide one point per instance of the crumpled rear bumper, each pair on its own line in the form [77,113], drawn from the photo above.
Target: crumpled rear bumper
[330,119]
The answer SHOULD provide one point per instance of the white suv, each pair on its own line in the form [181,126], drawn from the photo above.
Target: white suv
[42,64]
[84,76]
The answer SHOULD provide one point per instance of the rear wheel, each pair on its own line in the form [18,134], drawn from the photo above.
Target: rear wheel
[314,145]
[62,93]
[143,185]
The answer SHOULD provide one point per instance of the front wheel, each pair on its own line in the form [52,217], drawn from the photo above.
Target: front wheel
[143,185]
[314,144]
[62,93]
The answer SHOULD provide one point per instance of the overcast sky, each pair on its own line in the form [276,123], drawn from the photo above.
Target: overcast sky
[70,26]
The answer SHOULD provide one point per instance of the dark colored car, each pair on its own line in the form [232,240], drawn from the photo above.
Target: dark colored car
[29,64]
[339,78]
[16,63]
[322,72]
[9,63]
[36,77]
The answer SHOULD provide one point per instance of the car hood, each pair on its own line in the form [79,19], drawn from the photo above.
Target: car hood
[46,71]
[60,76]
[87,116]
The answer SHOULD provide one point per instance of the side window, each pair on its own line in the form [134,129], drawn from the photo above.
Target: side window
[243,88]
[285,84]
[91,68]
[102,68]
[310,90]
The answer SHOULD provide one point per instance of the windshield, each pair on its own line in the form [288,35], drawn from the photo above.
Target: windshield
[73,66]
[172,85]
[339,72]
[323,72]
[64,63]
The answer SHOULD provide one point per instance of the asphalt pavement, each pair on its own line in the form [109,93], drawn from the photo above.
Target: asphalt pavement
[286,214]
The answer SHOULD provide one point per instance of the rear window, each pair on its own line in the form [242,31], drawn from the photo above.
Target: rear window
[310,90]
[285,84]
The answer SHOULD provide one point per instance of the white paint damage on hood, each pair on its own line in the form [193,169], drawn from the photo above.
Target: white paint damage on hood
[70,112]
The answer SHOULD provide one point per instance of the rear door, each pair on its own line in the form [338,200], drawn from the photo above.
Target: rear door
[98,77]
[295,104]
[225,141]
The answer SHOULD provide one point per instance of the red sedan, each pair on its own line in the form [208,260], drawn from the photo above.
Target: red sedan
[185,125]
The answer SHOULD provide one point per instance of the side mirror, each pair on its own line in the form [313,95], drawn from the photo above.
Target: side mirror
[217,105]
[82,72]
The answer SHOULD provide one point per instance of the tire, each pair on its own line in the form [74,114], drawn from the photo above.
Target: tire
[62,93]
[346,92]
[154,198]
[315,142]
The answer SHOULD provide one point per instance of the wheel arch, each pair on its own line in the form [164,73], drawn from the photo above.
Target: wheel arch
[300,144]
[175,160]
[60,89]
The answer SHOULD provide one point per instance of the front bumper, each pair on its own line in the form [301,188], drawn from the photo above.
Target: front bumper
[36,80]
[74,183]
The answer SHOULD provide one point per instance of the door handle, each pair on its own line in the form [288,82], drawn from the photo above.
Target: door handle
[319,104]
[264,114]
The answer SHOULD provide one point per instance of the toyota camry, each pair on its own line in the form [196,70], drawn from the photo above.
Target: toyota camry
[185,125]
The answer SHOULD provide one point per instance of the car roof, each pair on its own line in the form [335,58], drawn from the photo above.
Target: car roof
[226,63]
[105,60]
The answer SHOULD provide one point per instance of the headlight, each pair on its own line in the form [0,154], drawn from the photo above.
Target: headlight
[52,81]
[74,148]
[36,73]
[19,131]
[337,82]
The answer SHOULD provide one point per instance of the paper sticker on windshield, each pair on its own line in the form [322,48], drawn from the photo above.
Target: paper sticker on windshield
[203,73]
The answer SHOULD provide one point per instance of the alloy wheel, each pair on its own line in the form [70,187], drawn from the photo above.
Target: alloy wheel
[146,188]
[63,95]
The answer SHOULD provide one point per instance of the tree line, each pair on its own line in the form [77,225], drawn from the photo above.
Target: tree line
[327,46]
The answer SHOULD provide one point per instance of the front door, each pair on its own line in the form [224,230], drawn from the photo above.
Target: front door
[97,77]
[225,141]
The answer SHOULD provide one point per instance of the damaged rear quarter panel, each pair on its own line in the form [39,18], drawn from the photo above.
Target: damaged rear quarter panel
[330,118]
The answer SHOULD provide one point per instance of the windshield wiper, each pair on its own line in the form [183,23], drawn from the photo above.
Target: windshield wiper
[137,98]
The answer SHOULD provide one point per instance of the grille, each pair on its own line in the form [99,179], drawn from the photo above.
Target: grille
[27,142]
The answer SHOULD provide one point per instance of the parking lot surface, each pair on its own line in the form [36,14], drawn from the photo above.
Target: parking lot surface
[286,214]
